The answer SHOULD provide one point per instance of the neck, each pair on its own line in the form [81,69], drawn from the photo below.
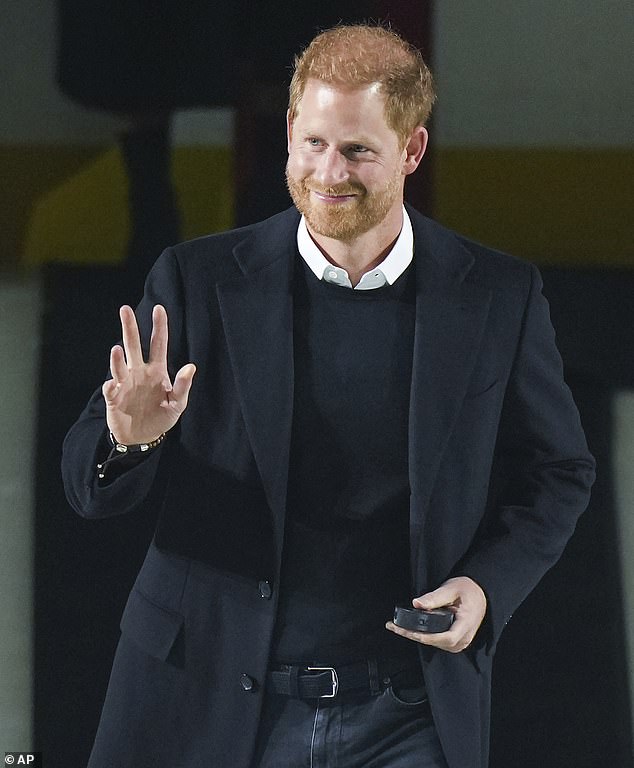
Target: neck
[366,251]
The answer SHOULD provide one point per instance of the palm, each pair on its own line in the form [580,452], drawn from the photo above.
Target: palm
[141,401]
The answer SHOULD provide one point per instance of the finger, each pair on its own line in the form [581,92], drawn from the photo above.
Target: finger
[131,339]
[444,595]
[452,641]
[158,340]
[182,384]
[109,390]
[439,639]
[118,367]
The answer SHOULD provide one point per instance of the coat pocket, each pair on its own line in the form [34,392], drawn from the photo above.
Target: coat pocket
[153,628]
[480,388]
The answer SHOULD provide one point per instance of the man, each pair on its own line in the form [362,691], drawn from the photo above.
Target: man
[378,416]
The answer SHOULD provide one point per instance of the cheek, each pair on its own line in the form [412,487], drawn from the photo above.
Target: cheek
[371,178]
[295,164]
[299,164]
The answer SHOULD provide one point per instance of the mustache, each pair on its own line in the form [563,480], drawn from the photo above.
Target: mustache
[339,189]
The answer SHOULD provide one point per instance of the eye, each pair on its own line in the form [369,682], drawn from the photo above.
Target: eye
[357,149]
[312,141]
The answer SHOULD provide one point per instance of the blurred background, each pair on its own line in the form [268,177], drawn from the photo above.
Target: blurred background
[127,126]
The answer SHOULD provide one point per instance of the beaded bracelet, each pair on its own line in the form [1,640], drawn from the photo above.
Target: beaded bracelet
[119,450]
[136,447]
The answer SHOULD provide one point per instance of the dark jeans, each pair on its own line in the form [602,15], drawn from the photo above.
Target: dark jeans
[381,731]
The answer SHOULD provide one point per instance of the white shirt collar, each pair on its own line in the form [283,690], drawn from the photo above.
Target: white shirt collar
[392,266]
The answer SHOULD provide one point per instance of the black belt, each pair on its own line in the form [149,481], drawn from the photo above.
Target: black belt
[364,677]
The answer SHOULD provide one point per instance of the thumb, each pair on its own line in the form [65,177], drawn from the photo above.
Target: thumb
[109,390]
[183,382]
[444,595]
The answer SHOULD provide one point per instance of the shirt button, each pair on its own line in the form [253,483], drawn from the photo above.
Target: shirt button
[265,590]
[246,682]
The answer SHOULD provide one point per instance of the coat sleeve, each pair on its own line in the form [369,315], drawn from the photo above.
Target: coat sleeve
[542,475]
[87,444]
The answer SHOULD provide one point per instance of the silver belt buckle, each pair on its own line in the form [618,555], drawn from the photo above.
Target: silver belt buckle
[334,680]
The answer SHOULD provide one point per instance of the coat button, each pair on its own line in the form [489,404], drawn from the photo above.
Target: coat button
[265,589]
[247,682]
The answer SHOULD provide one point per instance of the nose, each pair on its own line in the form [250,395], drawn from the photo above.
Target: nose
[332,168]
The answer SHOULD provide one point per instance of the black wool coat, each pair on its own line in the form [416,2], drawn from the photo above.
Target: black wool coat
[499,472]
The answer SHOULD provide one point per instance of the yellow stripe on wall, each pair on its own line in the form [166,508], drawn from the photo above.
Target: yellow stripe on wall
[28,173]
[70,205]
[552,206]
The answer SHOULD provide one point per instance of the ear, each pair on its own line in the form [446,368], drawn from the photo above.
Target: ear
[415,149]
[289,130]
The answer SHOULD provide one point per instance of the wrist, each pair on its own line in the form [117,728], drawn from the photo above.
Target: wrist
[142,447]
[119,451]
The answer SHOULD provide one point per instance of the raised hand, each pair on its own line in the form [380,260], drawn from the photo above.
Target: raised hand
[141,401]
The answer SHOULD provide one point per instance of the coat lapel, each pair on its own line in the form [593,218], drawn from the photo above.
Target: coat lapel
[450,320]
[257,314]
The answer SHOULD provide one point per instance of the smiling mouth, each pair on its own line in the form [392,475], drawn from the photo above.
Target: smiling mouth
[332,198]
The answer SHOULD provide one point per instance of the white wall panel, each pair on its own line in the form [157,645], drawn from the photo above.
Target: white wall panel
[19,353]
[540,73]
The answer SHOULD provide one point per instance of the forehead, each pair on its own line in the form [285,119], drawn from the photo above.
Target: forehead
[329,106]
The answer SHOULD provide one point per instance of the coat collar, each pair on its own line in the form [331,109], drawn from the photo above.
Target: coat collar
[442,259]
